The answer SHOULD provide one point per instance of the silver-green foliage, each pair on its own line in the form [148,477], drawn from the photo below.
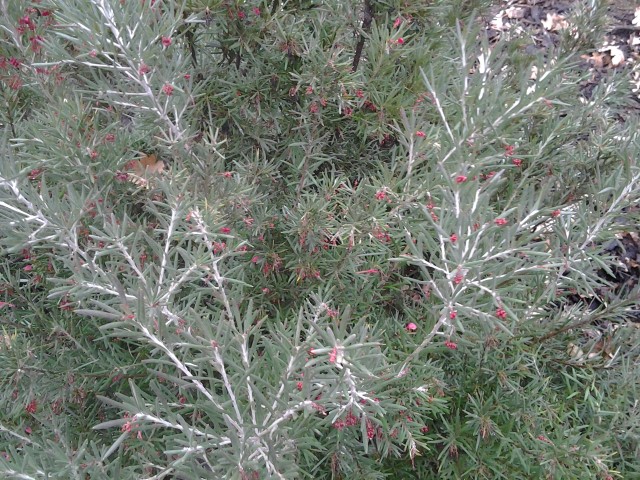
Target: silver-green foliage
[338,273]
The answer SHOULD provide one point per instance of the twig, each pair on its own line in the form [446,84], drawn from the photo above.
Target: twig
[366,25]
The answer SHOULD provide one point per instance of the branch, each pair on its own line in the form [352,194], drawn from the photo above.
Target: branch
[222,441]
[366,25]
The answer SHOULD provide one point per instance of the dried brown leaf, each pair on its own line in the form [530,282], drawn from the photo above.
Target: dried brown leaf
[597,59]
[554,22]
[144,167]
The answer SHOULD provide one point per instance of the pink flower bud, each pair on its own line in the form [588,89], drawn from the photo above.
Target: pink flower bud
[333,356]
[380,195]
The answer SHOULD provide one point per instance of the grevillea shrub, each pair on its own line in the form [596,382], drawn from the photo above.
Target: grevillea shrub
[330,239]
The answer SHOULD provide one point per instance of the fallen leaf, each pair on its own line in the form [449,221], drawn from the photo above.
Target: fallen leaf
[554,22]
[602,348]
[497,23]
[516,12]
[617,56]
[597,59]
[575,352]
[143,167]
[148,164]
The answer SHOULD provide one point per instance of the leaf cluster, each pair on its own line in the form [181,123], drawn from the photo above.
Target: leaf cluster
[386,264]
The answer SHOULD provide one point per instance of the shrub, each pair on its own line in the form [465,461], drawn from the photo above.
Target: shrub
[300,240]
